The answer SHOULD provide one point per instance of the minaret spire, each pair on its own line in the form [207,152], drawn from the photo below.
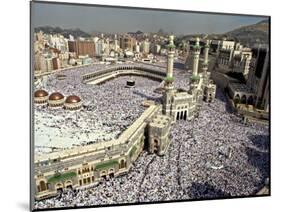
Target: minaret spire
[170,63]
[169,79]
[171,52]
[206,55]
[115,42]
[196,53]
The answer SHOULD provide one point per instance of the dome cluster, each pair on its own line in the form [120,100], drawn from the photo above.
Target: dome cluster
[56,99]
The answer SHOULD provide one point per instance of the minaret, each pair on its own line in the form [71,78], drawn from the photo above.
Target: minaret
[115,42]
[206,55]
[206,52]
[102,44]
[170,63]
[169,80]
[171,52]
[107,47]
[196,53]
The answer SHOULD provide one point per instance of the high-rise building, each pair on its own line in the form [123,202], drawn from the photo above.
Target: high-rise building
[127,42]
[241,62]
[63,57]
[107,47]
[99,47]
[137,48]
[258,78]
[82,47]
[156,49]
[39,36]
[56,63]
[43,62]
[145,46]
[71,38]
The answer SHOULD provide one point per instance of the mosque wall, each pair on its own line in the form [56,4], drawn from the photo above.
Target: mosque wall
[56,172]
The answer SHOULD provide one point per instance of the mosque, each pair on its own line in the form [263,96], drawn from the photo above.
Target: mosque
[86,165]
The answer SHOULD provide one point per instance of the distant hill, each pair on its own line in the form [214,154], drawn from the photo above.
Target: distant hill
[247,35]
[251,34]
[65,32]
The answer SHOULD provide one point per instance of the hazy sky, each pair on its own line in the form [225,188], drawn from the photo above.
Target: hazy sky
[103,19]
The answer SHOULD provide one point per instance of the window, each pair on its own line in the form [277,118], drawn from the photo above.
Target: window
[122,164]
[43,186]
[85,170]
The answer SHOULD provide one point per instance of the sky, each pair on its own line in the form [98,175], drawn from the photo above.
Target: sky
[117,20]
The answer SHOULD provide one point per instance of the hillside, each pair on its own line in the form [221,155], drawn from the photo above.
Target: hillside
[251,34]
[247,35]
[65,32]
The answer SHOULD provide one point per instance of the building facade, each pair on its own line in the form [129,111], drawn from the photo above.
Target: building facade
[127,42]
[82,47]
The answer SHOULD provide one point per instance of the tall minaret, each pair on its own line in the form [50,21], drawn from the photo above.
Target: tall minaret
[169,80]
[102,43]
[107,47]
[206,55]
[206,52]
[196,53]
[171,53]
[115,42]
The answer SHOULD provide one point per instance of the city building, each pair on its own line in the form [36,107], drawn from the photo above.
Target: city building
[127,42]
[241,62]
[59,42]
[82,47]
[247,79]
[56,63]
[156,49]
[258,79]
[137,48]
[43,62]
[145,46]
[217,45]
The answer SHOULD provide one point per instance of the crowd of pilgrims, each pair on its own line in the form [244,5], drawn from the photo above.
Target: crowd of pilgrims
[108,109]
[215,155]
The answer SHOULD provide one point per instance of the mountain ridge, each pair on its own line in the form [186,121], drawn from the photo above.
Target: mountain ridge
[247,35]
